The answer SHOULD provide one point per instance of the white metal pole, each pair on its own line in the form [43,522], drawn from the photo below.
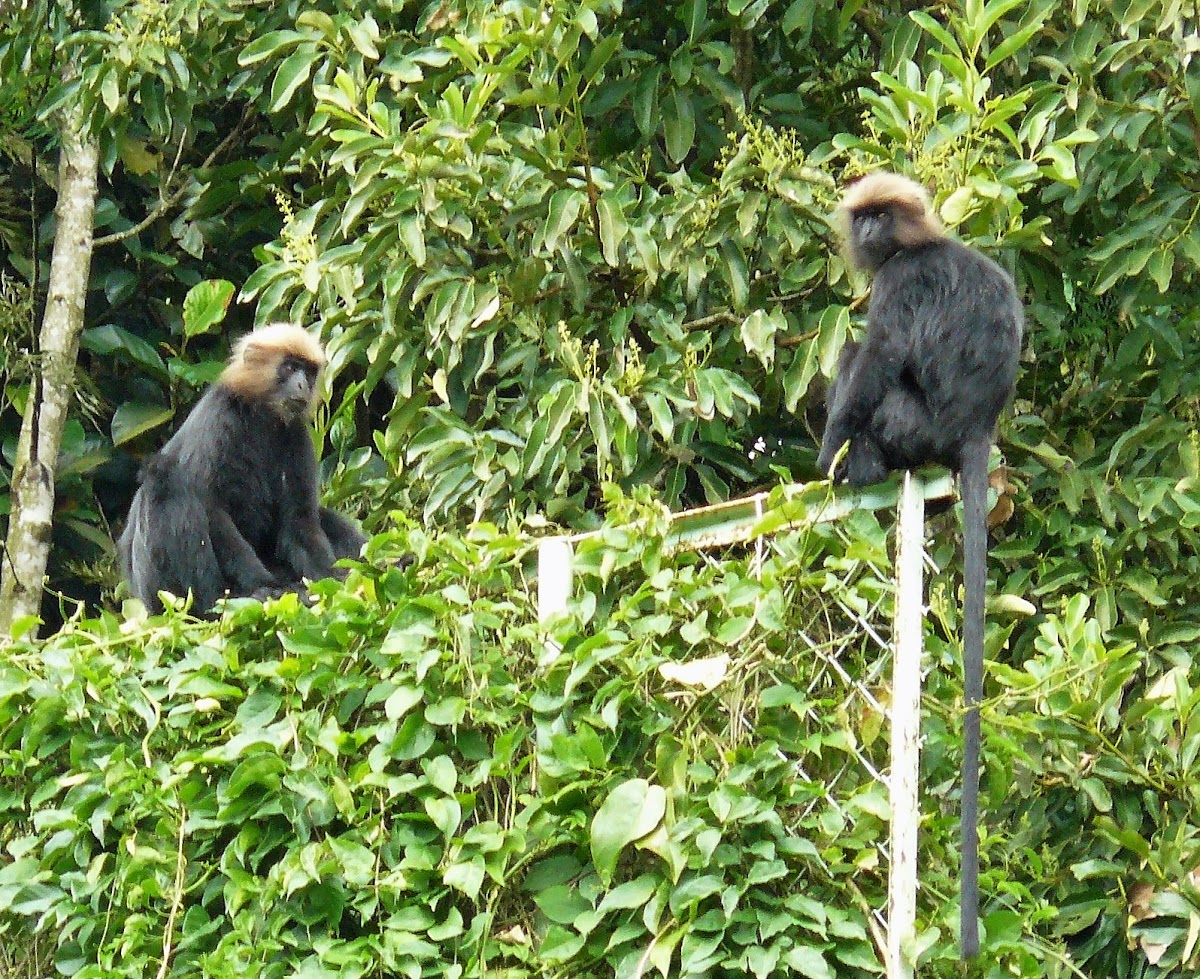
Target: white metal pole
[907,640]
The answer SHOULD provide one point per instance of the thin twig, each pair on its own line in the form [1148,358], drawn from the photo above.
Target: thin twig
[176,898]
[723,316]
[166,203]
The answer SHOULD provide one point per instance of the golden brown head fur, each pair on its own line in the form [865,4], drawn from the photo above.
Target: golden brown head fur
[915,221]
[252,369]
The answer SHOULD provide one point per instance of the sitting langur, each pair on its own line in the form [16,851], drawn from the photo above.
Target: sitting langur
[229,507]
[926,385]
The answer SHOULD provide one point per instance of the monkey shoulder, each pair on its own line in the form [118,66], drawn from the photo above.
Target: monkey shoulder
[160,478]
[946,276]
[943,260]
[973,269]
[217,419]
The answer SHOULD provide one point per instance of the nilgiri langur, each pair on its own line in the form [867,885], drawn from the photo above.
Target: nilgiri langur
[926,385]
[229,507]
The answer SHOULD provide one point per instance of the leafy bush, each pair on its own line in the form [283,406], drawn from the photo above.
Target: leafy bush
[407,778]
[390,780]
[553,245]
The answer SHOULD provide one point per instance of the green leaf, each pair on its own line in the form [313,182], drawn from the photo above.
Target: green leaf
[119,286]
[613,228]
[1098,793]
[562,903]
[269,45]
[564,209]
[364,36]
[205,305]
[1062,163]
[465,877]
[1017,40]
[403,699]
[293,73]
[831,336]
[661,415]
[758,334]
[109,339]
[446,814]
[261,770]
[411,229]
[560,945]
[799,374]
[645,100]
[197,375]
[442,774]
[133,418]
[695,15]
[693,891]
[601,55]
[632,810]
[737,272]
[957,206]
[936,30]
[695,630]
[993,11]
[799,17]
[680,126]
[446,712]
[1160,267]
[110,91]
[632,894]
[1129,838]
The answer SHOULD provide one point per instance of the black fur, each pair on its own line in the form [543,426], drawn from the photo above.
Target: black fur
[229,507]
[927,385]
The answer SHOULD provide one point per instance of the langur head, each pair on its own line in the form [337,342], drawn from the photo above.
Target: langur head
[278,365]
[882,214]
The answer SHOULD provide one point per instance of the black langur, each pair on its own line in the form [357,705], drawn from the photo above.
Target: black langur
[229,507]
[926,385]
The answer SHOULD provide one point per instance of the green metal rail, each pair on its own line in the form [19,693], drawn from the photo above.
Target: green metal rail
[795,504]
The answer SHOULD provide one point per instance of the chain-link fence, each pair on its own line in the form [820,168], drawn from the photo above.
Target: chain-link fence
[788,603]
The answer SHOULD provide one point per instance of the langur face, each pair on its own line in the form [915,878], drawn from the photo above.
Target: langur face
[295,391]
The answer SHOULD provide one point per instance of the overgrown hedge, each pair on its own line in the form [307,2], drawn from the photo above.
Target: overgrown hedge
[400,780]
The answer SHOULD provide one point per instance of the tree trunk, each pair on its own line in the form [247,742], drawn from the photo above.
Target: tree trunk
[31,519]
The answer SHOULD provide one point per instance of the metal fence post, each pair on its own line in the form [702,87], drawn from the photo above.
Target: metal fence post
[906,726]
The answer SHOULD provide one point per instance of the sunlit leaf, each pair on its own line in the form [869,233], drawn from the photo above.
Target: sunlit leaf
[205,305]
[293,73]
[613,228]
[629,812]
[680,126]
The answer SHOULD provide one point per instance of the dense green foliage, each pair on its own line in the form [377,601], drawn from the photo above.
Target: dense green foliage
[400,781]
[557,245]
[403,780]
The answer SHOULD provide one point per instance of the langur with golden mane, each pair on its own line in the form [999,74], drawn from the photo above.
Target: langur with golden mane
[230,505]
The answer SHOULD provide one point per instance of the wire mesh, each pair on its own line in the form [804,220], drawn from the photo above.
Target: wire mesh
[795,611]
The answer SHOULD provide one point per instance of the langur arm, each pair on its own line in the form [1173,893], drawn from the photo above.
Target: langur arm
[860,389]
[303,546]
[241,568]
[343,534]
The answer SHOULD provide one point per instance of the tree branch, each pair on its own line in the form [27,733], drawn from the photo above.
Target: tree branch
[166,203]
[724,316]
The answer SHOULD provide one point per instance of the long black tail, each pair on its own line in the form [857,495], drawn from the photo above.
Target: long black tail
[973,479]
